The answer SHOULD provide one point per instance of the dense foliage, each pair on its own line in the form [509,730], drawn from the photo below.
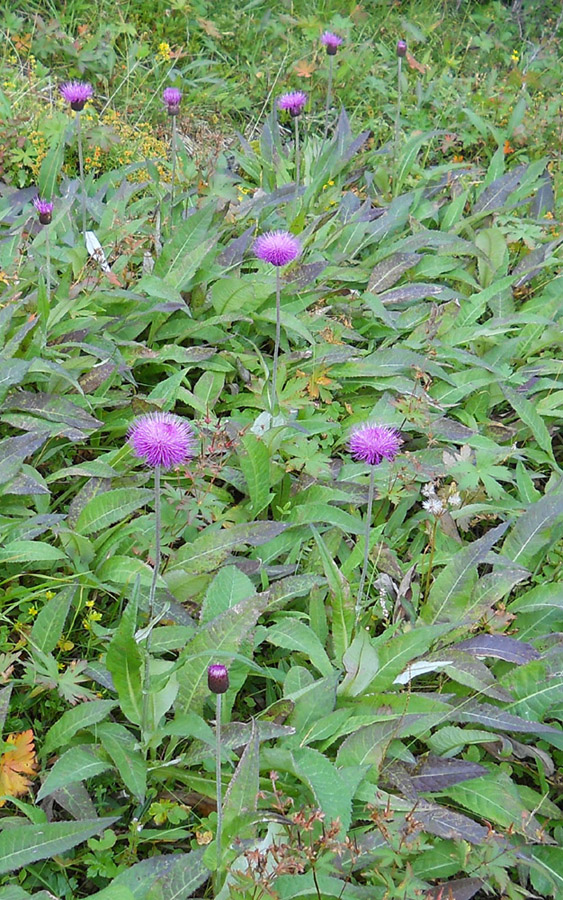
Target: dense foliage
[401,739]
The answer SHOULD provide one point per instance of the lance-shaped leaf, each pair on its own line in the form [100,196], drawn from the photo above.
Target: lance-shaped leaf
[437,773]
[500,646]
[77,764]
[242,793]
[49,624]
[22,845]
[531,534]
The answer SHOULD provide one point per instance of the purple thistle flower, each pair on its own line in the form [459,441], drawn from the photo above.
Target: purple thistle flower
[77,93]
[293,102]
[217,679]
[172,97]
[277,247]
[401,48]
[331,41]
[373,443]
[162,439]
[45,210]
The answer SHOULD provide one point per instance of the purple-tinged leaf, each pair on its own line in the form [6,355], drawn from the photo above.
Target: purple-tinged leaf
[531,532]
[450,429]
[306,273]
[458,889]
[437,773]
[495,194]
[233,254]
[356,145]
[52,407]
[448,824]
[494,717]
[74,799]
[14,450]
[418,291]
[387,272]
[543,200]
[500,646]
[531,264]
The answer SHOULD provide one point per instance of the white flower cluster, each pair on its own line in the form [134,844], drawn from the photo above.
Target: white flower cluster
[436,505]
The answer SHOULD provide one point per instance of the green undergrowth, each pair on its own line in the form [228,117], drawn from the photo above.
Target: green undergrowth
[407,749]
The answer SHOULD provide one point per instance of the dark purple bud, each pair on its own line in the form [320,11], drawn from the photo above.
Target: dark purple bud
[401,48]
[45,210]
[217,679]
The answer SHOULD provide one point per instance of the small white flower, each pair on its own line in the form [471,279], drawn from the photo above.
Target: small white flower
[428,490]
[434,506]
[455,500]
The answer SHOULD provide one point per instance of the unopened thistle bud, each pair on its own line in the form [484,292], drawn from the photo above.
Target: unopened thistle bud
[217,679]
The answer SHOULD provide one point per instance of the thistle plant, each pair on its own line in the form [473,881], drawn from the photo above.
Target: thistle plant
[162,440]
[294,103]
[278,248]
[77,93]
[218,684]
[371,444]
[331,42]
[45,211]
[172,97]
[401,53]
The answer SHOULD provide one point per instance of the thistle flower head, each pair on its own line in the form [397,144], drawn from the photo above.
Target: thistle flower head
[293,102]
[277,247]
[162,439]
[217,678]
[77,93]
[373,443]
[331,41]
[45,210]
[172,97]
[401,48]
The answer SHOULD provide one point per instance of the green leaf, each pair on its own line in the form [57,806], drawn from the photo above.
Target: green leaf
[77,764]
[228,588]
[255,466]
[124,662]
[30,551]
[291,634]
[51,167]
[110,507]
[14,450]
[242,793]
[225,633]
[174,876]
[531,534]
[48,626]
[73,720]
[120,746]
[332,790]
[527,412]
[12,371]
[20,846]
[452,588]
[361,663]
[398,651]
[495,798]
[183,255]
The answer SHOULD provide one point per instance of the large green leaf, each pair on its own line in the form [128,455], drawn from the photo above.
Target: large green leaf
[255,466]
[531,534]
[228,588]
[22,845]
[49,624]
[242,794]
[122,748]
[110,507]
[77,764]
[124,662]
[172,877]
[73,720]
[292,634]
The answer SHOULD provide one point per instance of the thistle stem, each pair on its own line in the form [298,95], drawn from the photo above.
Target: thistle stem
[297,157]
[277,342]
[398,114]
[152,592]
[48,268]
[328,94]
[219,784]
[156,567]
[366,545]
[81,169]
[173,153]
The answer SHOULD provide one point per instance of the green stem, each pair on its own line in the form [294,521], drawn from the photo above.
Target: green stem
[297,158]
[277,342]
[328,95]
[398,114]
[219,784]
[173,149]
[81,169]
[152,593]
[366,545]
[48,269]
[431,559]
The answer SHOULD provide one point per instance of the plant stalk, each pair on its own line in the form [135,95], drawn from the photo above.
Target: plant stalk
[398,114]
[366,546]
[431,559]
[173,154]
[152,593]
[219,784]
[81,169]
[297,158]
[277,342]
[328,94]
